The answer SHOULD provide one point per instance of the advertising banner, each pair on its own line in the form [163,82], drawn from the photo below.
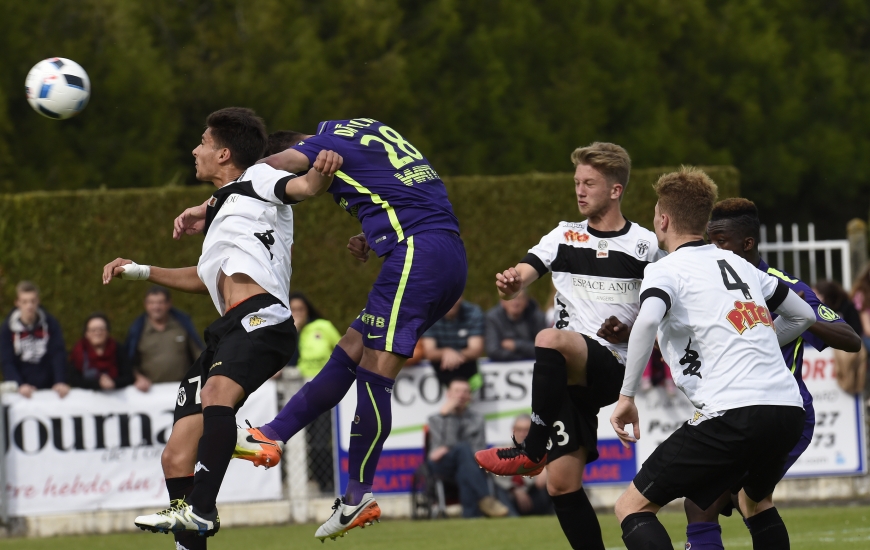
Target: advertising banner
[838,446]
[101,450]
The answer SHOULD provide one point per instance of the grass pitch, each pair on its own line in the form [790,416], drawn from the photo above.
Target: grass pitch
[838,528]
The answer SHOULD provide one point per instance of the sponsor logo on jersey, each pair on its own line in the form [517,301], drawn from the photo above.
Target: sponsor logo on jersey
[747,315]
[603,252]
[690,359]
[255,321]
[200,466]
[575,237]
[641,248]
[827,314]
[372,321]
[575,225]
[606,290]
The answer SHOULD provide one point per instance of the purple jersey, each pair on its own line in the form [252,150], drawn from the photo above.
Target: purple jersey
[793,352]
[385,182]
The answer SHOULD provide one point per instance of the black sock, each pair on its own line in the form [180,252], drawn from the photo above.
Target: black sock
[643,531]
[180,487]
[213,457]
[578,520]
[548,386]
[768,531]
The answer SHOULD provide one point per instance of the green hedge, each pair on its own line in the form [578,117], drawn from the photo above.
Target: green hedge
[61,240]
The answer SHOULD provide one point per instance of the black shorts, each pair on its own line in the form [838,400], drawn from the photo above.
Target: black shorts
[747,446]
[249,344]
[577,425]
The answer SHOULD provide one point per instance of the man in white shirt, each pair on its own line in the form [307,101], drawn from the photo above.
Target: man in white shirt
[245,268]
[710,310]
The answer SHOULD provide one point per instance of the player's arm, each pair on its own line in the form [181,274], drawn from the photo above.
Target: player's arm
[317,180]
[513,280]
[837,335]
[795,315]
[654,306]
[289,160]
[184,279]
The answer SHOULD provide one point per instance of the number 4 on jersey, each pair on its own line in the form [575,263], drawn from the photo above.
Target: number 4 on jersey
[725,269]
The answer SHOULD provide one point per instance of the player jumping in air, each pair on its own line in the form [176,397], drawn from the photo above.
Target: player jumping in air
[402,204]
[711,311]
[735,226]
[245,268]
[597,268]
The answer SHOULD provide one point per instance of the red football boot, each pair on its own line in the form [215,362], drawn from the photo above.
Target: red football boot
[511,461]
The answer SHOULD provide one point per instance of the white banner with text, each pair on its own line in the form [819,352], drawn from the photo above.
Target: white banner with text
[101,451]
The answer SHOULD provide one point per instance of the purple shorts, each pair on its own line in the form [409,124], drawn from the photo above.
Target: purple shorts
[806,437]
[420,280]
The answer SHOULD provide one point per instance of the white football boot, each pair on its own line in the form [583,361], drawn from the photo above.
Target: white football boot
[344,518]
[179,517]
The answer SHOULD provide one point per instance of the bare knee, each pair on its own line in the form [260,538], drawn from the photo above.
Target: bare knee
[352,344]
[221,391]
[177,463]
[550,338]
[694,513]
[632,502]
[558,485]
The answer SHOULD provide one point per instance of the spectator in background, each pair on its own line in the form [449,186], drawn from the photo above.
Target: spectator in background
[455,434]
[657,373]
[281,141]
[511,328]
[455,343]
[162,342]
[527,494]
[98,361]
[31,345]
[317,336]
[835,297]
[861,299]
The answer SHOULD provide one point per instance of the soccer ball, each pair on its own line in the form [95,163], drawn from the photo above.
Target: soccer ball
[57,88]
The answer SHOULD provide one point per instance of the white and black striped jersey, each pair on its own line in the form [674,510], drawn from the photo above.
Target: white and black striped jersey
[249,229]
[718,335]
[596,274]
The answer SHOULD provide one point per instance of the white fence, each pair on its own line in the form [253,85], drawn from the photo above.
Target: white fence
[809,249]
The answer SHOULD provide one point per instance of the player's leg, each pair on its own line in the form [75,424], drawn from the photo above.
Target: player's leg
[178,460]
[641,529]
[703,531]
[576,514]
[323,392]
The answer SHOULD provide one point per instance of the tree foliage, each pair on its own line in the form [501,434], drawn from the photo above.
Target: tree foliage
[777,88]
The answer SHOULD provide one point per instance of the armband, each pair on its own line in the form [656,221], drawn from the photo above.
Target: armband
[136,272]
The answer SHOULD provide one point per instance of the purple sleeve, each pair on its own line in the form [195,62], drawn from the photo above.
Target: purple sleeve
[824,314]
[312,146]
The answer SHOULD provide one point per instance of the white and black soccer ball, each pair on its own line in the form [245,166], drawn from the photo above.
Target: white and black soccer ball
[57,88]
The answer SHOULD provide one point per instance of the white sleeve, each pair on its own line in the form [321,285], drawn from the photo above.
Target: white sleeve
[771,287]
[659,282]
[641,341]
[542,255]
[795,316]
[270,184]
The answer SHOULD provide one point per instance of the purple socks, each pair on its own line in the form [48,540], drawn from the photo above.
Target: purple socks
[316,397]
[370,428]
[704,536]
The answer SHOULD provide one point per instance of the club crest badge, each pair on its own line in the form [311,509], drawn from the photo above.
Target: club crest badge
[182,397]
[641,248]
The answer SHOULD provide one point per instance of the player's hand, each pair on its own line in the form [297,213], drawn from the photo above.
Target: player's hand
[614,331]
[625,413]
[327,163]
[114,269]
[359,247]
[509,283]
[190,222]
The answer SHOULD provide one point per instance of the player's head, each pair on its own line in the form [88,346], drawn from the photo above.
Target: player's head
[235,137]
[27,299]
[686,199]
[281,141]
[734,226]
[601,173]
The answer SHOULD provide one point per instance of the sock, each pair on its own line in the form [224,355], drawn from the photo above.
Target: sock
[548,386]
[642,531]
[371,426]
[578,520]
[704,535]
[213,457]
[180,487]
[768,531]
[316,397]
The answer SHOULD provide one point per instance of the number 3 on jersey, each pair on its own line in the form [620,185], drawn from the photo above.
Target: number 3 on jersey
[410,151]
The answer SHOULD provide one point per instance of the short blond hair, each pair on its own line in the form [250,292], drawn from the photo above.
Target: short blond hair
[26,286]
[608,158]
[687,196]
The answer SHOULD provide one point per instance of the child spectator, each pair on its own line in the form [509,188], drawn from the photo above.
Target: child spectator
[31,345]
[97,359]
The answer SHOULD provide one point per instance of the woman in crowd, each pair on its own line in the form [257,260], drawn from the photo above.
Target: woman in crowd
[861,299]
[97,360]
[317,336]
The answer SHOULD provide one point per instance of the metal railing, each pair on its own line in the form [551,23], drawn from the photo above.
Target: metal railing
[796,247]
